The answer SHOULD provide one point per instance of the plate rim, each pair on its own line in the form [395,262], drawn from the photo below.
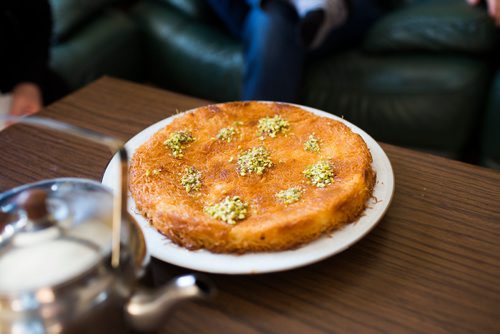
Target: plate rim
[202,257]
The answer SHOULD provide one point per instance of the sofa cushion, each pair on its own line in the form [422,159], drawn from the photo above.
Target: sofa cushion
[69,14]
[424,101]
[445,25]
[107,45]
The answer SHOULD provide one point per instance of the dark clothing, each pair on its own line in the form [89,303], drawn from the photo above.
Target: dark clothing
[25,32]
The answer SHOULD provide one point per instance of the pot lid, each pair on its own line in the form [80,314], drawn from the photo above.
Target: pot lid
[52,231]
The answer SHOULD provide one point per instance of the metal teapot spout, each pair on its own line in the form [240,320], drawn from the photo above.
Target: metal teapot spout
[147,309]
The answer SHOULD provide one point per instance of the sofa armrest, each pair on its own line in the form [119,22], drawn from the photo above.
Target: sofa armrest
[449,25]
[109,44]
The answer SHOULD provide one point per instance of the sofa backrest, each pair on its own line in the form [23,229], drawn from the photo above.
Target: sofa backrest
[69,14]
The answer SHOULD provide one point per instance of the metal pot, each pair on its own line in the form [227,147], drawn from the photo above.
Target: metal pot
[70,260]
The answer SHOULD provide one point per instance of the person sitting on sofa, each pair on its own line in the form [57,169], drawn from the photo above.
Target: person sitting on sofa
[278,35]
[25,32]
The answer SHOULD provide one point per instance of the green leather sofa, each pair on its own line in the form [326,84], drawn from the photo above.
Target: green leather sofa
[422,78]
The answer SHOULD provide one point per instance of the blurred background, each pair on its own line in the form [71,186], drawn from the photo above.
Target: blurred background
[426,76]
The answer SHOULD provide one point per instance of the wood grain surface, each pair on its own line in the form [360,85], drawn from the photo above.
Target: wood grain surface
[432,265]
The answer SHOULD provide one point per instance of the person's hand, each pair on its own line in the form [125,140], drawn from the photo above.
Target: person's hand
[26,99]
[493,9]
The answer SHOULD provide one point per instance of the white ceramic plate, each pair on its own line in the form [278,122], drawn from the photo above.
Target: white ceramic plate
[162,248]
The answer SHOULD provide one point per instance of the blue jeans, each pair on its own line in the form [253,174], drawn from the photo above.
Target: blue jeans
[273,54]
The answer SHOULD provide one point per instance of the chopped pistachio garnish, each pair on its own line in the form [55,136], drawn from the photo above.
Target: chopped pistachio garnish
[312,144]
[191,179]
[238,123]
[177,141]
[153,172]
[229,210]
[290,195]
[320,174]
[272,126]
[226,134]
[255,160]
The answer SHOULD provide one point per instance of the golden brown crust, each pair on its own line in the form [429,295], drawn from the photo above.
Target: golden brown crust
[269,225]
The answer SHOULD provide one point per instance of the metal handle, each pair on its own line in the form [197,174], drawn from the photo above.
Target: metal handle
[115,145]
[147,309]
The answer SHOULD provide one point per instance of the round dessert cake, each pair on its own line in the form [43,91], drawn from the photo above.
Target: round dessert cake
[251,176]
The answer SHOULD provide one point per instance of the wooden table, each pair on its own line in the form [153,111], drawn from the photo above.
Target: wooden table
[432,265]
